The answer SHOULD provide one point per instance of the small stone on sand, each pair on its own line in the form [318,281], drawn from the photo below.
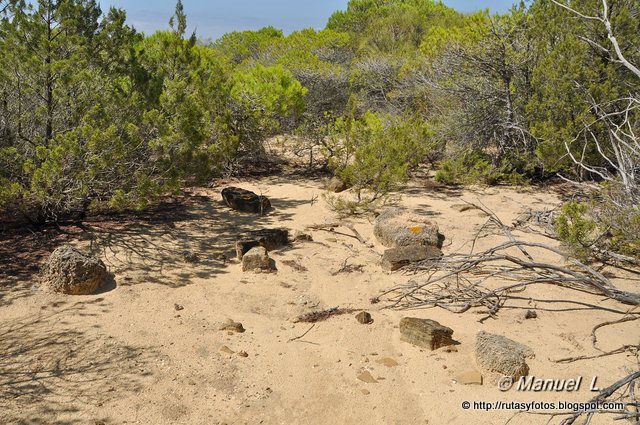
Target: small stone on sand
[367,377]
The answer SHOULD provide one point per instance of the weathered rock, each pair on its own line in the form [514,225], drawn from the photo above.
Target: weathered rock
[257,259]
[395,227]
[364,318]
[299,236]
[243,354]
[69,271]
[531,314]
[230,325]
[268,238]
[396,258]
[499,356]
[337,185]
[470,377]
[367,377]
[425,333]
[245,201]
[178,307]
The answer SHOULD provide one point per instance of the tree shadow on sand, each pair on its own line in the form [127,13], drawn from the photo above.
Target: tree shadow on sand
[195,240]
[188,237]
[52,372]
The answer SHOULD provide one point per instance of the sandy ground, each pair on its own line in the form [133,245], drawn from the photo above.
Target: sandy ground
[128,356]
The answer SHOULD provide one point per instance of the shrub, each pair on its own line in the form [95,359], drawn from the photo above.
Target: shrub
[576,229]
[374,154]
[600,225]
[473,166]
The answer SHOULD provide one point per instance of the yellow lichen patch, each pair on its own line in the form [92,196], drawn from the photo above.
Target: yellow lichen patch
[416,229]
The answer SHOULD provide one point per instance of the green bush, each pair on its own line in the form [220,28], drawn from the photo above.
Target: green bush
[375,153]
[472,166]
[576,228]
[592,228]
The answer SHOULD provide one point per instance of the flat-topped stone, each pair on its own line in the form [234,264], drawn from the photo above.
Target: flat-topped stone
[425,333]
[395,227]
[268,238]
[245,201]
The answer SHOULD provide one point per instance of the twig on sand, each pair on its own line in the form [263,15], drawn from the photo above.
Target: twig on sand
[330,227]
[320,316]
[348,268]
[631,348]
[304,334]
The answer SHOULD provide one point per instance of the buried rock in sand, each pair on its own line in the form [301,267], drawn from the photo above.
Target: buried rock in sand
[366,376]
[470,377]
[230,325]
[268,238]
[364,318]
[257,259]
[396,258]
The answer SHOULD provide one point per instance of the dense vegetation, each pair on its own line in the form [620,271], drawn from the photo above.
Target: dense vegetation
[96,115]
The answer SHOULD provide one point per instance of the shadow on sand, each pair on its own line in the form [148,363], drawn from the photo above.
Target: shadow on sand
[189,237]
[49,369]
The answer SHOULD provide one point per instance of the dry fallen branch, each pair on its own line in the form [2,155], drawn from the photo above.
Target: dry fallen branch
[457,282]
[297,338]
[348,268]
[537,221]
[628,348]
[625,387]
[330,227]
[320,316]
[543,221]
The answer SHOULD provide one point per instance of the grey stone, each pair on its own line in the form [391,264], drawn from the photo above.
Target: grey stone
[395,227]
[425,333]
[257,259]
[396,258]
[245,201]
[497,355]
[72,272]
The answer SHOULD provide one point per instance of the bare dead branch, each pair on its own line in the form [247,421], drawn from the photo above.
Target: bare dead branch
[330,227]
[320,316]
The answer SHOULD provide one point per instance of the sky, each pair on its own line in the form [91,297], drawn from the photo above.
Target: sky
[213,18]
